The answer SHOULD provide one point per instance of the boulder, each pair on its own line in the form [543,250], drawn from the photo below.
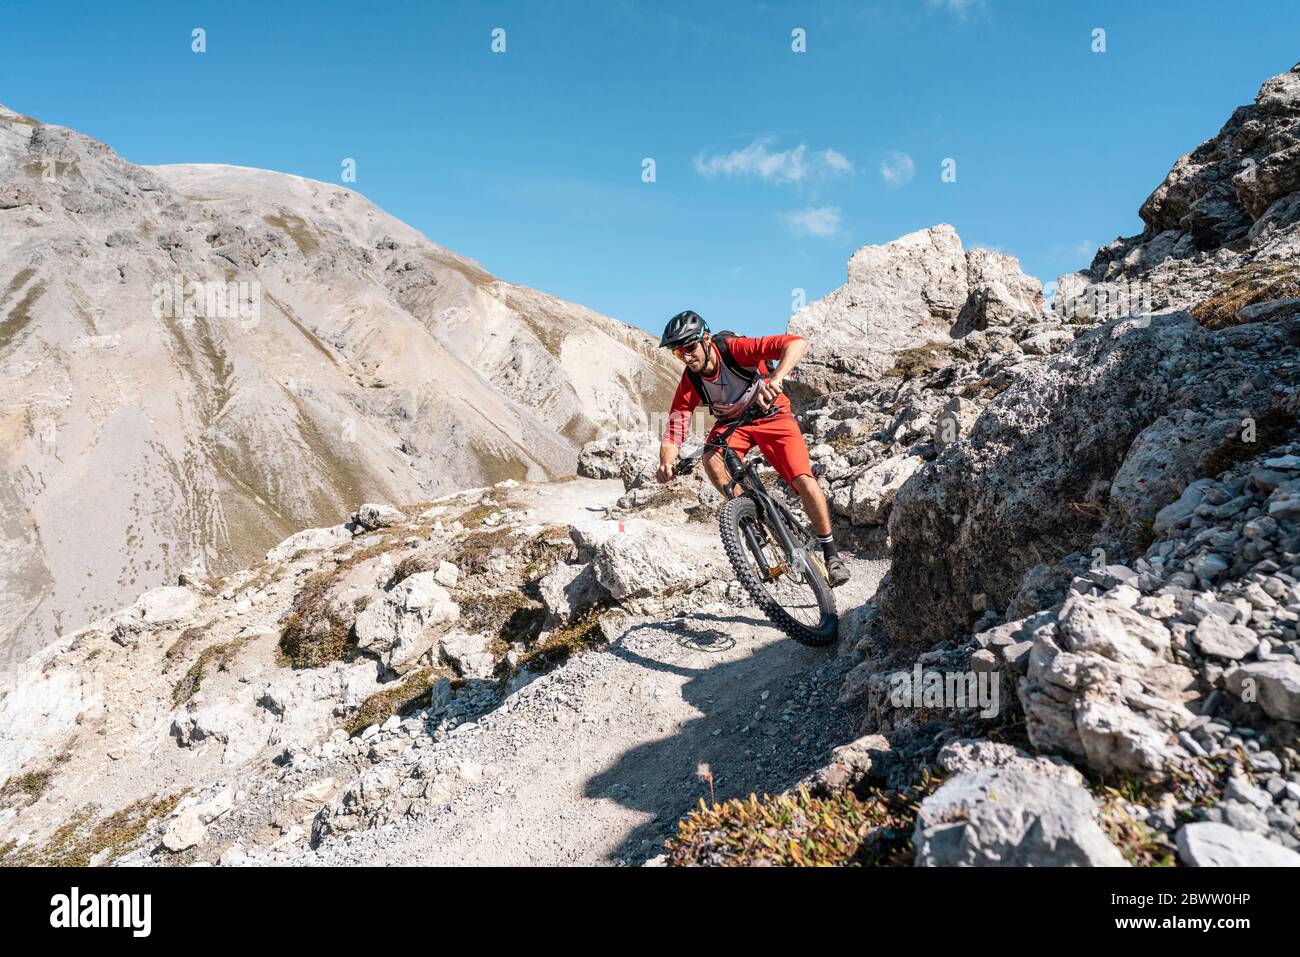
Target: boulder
[1046,343]
[567,591]
[1274,685]
[1002,817]
[1216,637]
[403,626]
[184,831]
[446,574]
[860,761]
[310,540]
[1207,844]
[638,559]
[1086,444]
[920,289]
[603,458]
[968,755]
[873,492]
[469,654]
[376,515]
[1101,684]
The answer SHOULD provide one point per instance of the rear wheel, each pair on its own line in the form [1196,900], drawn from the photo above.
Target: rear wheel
[791,590]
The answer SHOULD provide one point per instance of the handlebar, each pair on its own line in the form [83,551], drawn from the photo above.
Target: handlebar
[687,465]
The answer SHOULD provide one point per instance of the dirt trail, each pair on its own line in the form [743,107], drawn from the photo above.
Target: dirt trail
[594,762]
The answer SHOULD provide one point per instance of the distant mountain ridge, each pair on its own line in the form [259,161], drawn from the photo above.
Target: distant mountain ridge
[376,364]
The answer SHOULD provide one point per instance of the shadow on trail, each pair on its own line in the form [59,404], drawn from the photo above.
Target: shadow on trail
[660,777]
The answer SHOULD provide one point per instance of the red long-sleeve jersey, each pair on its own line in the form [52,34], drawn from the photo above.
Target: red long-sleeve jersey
[749,352]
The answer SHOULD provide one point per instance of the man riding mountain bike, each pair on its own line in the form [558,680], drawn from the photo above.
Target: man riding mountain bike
[730,373]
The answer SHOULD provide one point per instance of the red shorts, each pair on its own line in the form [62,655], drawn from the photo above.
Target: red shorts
[778,438]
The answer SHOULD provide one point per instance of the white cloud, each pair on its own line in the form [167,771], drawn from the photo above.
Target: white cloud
[960,9]
[820,221]
[897,168]
[836,161]
[783,166]
[1084,249]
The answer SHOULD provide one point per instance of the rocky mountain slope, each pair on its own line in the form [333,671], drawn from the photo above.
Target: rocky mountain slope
[1115,537]
[518,673]
[920,291]
[198,360]
[1084,650]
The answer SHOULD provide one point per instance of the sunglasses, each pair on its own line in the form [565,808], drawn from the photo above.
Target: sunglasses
[680,351]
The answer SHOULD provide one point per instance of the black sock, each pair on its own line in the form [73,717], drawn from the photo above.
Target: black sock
[828,546]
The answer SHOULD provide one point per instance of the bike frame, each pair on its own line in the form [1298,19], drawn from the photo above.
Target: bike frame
[744,477]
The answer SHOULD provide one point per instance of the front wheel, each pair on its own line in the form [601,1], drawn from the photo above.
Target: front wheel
[791,590]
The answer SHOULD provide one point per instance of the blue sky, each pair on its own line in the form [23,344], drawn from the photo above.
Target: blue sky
[771,166]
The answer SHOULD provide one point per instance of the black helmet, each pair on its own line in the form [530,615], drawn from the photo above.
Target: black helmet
[683,328]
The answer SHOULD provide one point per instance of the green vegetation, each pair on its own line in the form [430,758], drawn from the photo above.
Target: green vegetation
[475,551]
[401,698]
[801,830]
[220,655]
[316,633]
[81,838]
[842,443]
[19,119]
[181,646]
[413,565]
[509,614]
[579,635]
[26,787]
[472,517]
[497,468]
[477,276]
[1142,534]
[1234,290]
[1141,846]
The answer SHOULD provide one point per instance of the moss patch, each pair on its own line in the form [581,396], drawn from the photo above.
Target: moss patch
[842,443]
[800,830]
[26,787]
[1141,846]
[472,517]
[496,613]
[413,565]
[1234,290]
[580,635]
[478,277]
[17,119]
[1142,534]
[497,468]
[183,643]
[401,698]
[473,553]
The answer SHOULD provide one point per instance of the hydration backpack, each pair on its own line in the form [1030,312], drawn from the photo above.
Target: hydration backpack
[749,375]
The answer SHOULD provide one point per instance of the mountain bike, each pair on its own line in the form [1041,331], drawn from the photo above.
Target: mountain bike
[775,554]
